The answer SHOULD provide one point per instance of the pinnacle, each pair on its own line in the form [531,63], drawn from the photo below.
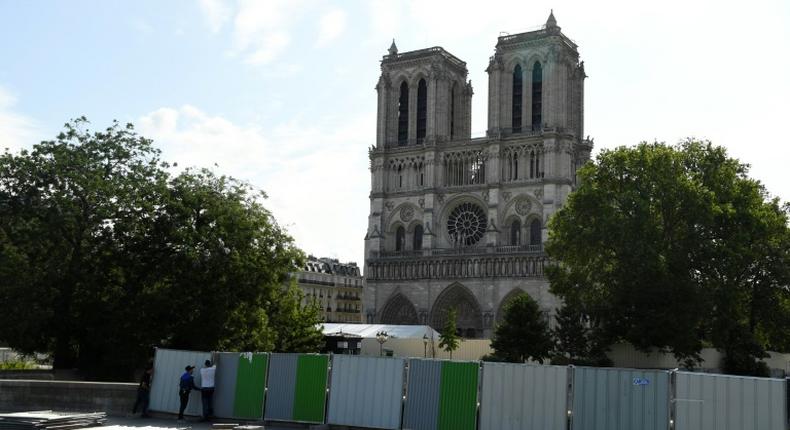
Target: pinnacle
[551,22]
[393,48]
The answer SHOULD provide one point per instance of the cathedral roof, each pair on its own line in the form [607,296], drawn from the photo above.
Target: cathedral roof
[436,51]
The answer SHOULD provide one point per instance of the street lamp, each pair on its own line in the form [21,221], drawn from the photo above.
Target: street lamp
[425,345]
[381,337]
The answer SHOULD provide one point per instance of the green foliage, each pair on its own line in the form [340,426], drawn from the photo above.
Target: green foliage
[575,339]
[105,254]
[523,333]
[17,365]
[672,247]
[448,338]
[296,325]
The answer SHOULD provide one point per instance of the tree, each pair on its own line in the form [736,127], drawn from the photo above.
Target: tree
[669,247]
[104,254]
[448,338]
[574,338]
[523,333]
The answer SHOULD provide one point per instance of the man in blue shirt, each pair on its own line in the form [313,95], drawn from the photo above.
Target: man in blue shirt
[185,386]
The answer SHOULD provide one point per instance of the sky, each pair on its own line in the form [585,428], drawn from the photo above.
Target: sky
[281,93]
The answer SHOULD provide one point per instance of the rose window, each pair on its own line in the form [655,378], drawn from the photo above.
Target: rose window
[466,224]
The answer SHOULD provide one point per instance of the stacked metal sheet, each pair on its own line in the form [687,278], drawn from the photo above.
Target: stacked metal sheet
[49,420]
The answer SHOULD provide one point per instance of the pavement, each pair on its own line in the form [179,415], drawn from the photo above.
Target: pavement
[168,422]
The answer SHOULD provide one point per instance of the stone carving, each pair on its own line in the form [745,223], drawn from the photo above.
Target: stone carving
[407,213]
[485,195]
[440,198]
[523,206]
[506,195]
[539,194]
[421,201]
[389,205]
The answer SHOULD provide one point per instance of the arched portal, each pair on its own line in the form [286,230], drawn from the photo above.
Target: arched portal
[399,310]
[470,318]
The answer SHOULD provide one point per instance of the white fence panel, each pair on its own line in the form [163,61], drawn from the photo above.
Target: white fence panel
[725,402]
[366,391]
[169,365]
[523,397]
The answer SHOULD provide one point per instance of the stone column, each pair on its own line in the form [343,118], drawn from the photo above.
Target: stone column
[383,89]
[494,77]
[432,107]
[413,112]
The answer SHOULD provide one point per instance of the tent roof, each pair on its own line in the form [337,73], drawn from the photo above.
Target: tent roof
[370,330]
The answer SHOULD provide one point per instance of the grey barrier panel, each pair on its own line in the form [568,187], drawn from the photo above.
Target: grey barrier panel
[225,384]
[168,367]
[366,391]
[281,387]
[523,396]
[725,402]
[422,395]
[620,399]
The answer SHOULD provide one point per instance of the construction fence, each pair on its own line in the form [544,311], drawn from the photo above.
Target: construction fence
[428,394]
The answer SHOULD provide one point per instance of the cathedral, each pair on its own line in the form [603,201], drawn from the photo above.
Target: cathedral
[460,222]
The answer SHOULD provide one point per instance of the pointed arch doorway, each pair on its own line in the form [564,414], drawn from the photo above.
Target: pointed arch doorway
[470,318]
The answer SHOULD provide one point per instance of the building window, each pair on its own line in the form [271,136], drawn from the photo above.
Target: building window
[422,108]
[417,238]
[518,98]
[515,232]
[534,232]
[537,96]
[403,114]
[400,239]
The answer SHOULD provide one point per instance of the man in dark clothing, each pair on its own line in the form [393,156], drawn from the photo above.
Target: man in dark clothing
[185,386]
[144,392]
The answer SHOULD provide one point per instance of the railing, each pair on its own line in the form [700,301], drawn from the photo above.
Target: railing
[502,249]
[427,51]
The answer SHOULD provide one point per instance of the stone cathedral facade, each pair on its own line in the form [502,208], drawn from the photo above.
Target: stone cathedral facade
[457,221]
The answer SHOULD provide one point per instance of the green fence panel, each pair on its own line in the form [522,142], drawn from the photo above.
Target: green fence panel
[250,386]
[458,396]
[310,397]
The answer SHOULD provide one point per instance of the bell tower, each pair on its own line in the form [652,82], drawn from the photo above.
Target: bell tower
[423,98]
[536,82]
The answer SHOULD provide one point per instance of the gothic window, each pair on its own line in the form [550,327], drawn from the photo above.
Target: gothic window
[537,96]
[400,176]
[422,108]
[515,232]
[403,114]
[518,98]
[400,239]
[532,165]
[466,224]
[452,110]
[464,168]
[534,232]
[417,245]
[421,174]
[512,161]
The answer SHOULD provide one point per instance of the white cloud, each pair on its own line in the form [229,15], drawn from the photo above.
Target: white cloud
[331,25]
[316,176]
[217,13]
[16,130]
[262,28]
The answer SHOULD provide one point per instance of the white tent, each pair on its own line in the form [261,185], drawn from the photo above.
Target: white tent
[368,331]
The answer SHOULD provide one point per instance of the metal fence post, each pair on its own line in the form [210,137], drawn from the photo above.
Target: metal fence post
[569,397]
